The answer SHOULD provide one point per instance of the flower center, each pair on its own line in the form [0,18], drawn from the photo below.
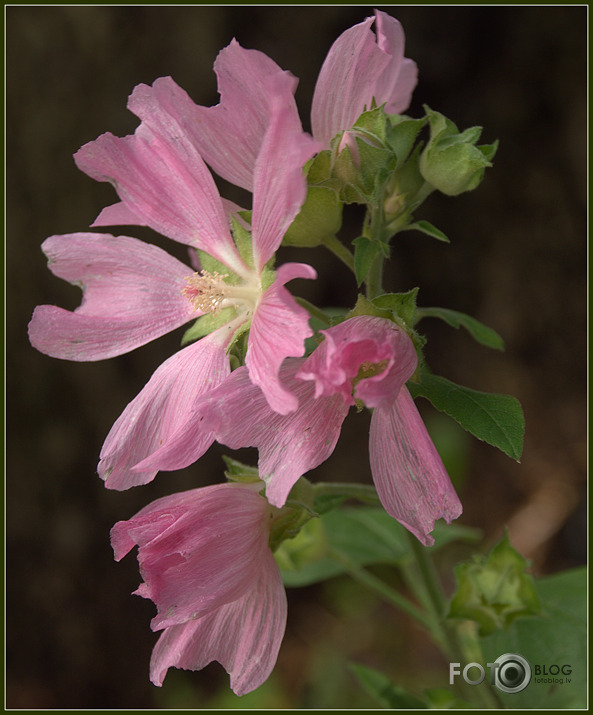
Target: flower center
[209,293]
[369,369]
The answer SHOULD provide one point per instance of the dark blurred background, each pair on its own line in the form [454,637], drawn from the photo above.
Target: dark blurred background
[75,638]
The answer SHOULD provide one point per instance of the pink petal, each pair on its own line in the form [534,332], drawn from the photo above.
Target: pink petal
[163,405]
[132,294]
[160,176]
[358,67]
[356,345]
[279,329]
[280,185]
[118,214]
[408,472]
[396,84]
[244,636]
[197,550]
[240,416]
[229,136]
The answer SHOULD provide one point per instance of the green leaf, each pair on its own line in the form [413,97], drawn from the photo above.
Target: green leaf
[427,228]
[359,535]
[401,305]
[364,254]
[385,692]
[480,332]
[557,637]
[495,419]
[494,590]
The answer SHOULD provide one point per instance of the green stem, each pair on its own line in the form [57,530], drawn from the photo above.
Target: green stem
[375,584]
[314,311]
[374,279]
[460,647]
[340,250]
[362,492]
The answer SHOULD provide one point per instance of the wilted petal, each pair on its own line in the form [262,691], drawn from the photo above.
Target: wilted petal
[244,636]
[279,329]
[409,475]
[361,66]
[197,550]
[163,405]
[280,185]
[132,294]
[161,177]
[229,135]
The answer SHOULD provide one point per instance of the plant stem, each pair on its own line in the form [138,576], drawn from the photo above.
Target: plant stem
[366,578]
[374,280]
[314,311]
[362,492]
[340,250]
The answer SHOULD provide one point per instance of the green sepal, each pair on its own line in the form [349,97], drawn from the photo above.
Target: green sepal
[450,161]
[427,228]
[239,472]
[320,218]
[492,418]
[479,332]
[401,136]
[494,590]
[207,324]
[242,240]
[401,305]
[365,250]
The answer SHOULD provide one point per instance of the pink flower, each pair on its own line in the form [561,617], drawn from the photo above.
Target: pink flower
[360,66]
[135,292]
[163,182]
[365,360]
[206,563]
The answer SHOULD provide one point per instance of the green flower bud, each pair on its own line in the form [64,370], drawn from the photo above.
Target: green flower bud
[451,161]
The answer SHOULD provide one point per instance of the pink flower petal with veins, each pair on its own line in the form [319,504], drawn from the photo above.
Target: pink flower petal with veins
[162,406]
[411,481]
[229,135]
[197,550]
[361,66]
[161,177]
[132,294]
[244,635]
[240,416]
[279,329]
[280,185]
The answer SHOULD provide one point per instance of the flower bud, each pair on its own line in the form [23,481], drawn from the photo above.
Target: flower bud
[451,161]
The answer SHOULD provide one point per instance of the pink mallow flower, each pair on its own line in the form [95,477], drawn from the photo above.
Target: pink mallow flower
[364,360]
[205,561]
[134,292]
[361,65]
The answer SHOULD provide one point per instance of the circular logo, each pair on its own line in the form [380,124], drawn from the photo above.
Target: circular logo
[513,673]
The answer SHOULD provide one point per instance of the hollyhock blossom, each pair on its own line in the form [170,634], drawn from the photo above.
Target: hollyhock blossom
[360,66]
[134,292]
[164,183]
[364,360]
[205,560]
